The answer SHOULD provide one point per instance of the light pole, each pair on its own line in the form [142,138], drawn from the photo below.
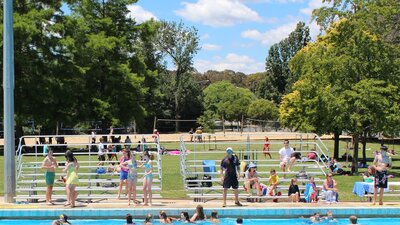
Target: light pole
[8,86]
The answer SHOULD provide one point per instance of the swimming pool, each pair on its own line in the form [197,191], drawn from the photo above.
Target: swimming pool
[227,221]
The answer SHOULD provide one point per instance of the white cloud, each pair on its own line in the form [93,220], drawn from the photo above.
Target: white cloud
[218,13]
[270,36]
[205,37]
[232,61]
[139,14]
[272,1]
[314,30]
[211,47]
[313,4]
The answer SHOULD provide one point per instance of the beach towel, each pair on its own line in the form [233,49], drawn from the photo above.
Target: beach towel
[309,193]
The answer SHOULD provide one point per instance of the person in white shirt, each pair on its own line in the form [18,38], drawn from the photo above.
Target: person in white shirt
[101,155]
[287,160]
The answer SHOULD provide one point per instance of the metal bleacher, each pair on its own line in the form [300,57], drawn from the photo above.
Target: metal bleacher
[31,186]
[196,158]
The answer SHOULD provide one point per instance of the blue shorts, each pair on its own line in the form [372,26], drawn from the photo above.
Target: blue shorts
[123,175]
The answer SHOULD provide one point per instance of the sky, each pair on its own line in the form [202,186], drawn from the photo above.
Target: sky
[234,34]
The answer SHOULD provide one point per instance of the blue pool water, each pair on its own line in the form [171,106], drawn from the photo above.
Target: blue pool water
[224,221]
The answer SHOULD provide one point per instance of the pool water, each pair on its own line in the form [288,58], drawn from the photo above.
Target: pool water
[227,221]
[224,221]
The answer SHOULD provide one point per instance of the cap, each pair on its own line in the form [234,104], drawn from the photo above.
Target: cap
[384,148]
[252,165]
[229,150]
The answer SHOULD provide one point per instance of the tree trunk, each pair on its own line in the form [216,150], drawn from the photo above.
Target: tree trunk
[354,166]
[223,124]
[242,124]
[364,143]
[176,97]
[176,111]
[336,145]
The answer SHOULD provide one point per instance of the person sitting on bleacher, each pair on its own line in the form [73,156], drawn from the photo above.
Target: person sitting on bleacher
[252,179]
[330,190]
[286,158]
[294,192]
[311,192]
[272,183]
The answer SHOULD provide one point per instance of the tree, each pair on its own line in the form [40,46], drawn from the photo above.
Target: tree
[279,79]
[374,25]
[263,109]
[226,101]
[338,76]
[39,86]
[181,44]
[99,41]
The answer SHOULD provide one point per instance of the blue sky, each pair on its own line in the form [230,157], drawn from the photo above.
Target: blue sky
[234,34]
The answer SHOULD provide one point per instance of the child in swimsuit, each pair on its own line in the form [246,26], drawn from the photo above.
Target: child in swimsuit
[148,179]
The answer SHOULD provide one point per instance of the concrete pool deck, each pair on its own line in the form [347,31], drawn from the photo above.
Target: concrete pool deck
[119,208]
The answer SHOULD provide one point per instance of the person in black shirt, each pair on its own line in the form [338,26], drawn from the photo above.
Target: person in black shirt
[294,192]
[230,175]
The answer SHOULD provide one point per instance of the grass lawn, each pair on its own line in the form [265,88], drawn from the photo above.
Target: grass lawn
[173,181]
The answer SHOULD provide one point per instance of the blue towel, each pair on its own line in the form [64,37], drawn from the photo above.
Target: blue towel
[360,189]
[308,192]
[209,167]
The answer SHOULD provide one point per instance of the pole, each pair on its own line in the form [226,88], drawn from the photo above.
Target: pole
[8,85]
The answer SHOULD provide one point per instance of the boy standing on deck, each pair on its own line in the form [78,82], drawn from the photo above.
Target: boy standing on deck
[49,164]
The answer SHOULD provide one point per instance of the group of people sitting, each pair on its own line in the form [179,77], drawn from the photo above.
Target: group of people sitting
[311,192]
[288,157]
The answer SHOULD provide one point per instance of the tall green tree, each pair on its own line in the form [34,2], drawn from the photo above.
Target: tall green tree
[39,85]
[279,79]
[348,77]
[99,41]
[226,101]
[262,109]
[181,44]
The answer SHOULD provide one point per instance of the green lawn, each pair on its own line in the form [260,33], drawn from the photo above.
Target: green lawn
[173,183]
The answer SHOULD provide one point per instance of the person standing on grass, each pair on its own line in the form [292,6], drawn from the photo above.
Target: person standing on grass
[266,148]
[382,163]
[230,175]
[49,164]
